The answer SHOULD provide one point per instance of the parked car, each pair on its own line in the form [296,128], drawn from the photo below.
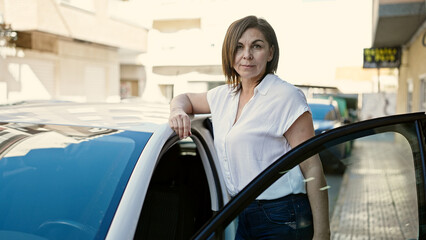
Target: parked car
[102,171]
[326,116]
[347,104]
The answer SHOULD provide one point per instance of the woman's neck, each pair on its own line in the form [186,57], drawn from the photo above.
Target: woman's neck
[248,86]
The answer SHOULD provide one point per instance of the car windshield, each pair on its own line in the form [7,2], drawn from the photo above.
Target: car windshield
[61,182]
[322,111]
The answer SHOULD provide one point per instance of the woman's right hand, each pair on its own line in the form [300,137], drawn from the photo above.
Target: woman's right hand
[180,106]
[180,122]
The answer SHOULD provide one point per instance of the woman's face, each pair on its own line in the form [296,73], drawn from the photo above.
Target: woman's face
[252,54]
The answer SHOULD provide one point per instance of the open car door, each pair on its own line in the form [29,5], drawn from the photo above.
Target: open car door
[381,192]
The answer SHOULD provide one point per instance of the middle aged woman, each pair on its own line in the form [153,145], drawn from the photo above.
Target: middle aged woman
[256,118]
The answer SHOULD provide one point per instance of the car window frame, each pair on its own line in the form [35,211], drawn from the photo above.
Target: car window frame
[218,194]
[314,145]
[210,168]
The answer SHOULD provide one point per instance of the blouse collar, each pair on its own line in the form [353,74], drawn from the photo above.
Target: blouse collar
[265,84]
[263,87]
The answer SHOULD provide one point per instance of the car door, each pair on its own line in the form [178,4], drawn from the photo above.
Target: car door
[380,194]
[186,187]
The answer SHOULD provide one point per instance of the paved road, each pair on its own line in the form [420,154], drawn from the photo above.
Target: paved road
[377,197]
[335,182]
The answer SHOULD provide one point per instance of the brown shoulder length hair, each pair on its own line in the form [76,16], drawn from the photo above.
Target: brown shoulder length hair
[229,47]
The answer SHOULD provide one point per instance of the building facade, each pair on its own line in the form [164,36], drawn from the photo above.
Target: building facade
[77,50]
[184,51]
[402,23]
[109,50]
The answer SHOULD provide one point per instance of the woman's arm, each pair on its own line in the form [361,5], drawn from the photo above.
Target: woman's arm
[301,130]
[181,106]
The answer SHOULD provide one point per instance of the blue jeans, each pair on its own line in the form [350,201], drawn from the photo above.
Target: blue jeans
[289,217]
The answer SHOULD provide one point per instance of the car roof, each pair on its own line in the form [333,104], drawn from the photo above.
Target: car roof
[320,101]
[136,116]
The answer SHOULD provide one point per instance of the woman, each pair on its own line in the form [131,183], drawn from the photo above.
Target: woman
[256,118]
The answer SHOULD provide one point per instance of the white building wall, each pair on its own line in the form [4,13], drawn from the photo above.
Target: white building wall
[90,20]
[74,48]
[78,73]
[88,73]
[28,78]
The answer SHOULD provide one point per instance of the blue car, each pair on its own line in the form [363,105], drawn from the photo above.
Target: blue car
[326,116]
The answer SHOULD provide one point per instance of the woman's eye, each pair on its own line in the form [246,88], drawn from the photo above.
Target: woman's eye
[256,46]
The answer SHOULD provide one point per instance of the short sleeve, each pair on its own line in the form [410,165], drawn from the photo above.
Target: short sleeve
[215,95]
[296,105]
[211,95]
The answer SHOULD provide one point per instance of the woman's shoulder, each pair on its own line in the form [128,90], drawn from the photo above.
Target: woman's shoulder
[219,94]
[280,86]
[224,89]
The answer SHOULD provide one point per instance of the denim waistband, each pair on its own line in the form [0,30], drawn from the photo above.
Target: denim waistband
[289,197]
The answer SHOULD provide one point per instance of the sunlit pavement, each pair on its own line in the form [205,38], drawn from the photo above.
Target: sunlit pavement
[377,198]
[334,181]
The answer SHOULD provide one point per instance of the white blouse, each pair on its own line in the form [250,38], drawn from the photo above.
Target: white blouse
[256,140]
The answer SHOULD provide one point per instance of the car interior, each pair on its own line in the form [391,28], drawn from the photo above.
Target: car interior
[178,201]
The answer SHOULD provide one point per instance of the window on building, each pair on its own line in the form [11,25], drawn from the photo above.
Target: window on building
[167,91]
[129,88]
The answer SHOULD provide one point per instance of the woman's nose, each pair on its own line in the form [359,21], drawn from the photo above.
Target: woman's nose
[247,54]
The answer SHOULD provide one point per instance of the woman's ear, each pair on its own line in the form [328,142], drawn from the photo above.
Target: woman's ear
[271,53]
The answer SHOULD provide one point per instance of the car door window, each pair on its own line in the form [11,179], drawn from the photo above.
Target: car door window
[374,179]
[376,195]
[179,200]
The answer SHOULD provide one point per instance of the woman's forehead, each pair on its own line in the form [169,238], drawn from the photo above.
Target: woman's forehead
[252,34]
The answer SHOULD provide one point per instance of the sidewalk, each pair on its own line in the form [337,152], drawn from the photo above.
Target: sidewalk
[377,198]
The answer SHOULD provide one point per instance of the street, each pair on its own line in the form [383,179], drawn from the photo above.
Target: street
[376,197]
[335,182]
